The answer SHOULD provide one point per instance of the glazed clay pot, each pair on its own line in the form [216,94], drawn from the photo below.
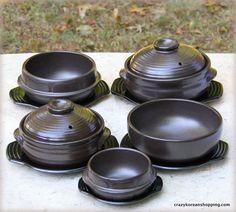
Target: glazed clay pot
[119,174]
[174,130]
[167,69]
[61,133]
[59,75]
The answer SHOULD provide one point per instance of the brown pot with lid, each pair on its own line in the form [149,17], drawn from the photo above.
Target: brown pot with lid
[61,133]
[167,69]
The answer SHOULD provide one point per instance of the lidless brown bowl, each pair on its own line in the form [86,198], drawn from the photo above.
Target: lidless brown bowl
[119,174]
[61,134]
[59,75]
[167,69]
[174,130]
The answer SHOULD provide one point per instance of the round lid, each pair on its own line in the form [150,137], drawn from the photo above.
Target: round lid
[61,120]
[167,58]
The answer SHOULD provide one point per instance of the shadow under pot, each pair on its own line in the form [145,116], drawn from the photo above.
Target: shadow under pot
[128,174]
[61,134]
[174,131]
[167,69]
[59,75]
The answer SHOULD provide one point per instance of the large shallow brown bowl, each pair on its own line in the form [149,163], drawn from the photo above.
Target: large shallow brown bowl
[119,174]
[59,75]
[61,133]
[167,69]
[174,130]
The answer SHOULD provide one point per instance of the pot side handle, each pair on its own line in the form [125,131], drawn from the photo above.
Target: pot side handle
[18,137]
[158,184]
[213,73]
[106,134]
[123,73]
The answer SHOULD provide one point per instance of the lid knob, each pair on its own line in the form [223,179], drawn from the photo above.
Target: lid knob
[60,106]
[166,44]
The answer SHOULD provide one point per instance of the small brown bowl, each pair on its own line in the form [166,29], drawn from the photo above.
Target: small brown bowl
[119,174]
[59,75]
[61,134]
[174,130]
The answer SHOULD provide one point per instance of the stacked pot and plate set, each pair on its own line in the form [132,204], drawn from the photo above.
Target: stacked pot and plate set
[171,126]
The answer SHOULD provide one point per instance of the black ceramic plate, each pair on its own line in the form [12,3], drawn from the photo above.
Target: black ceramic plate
[154,188]
[15,155]
[213,92]
[19,97]
[217,154]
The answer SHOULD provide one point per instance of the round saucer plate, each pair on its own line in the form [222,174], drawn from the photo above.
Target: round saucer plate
[154,188]
[19,96]
[218,153]
[213,92]
[16,155]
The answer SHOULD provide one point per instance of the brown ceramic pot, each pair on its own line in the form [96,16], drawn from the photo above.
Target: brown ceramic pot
[167,69]
[174,130]
[59,75]
[61,133]
[119,174]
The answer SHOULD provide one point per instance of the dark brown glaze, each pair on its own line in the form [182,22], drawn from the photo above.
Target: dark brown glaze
[61,133]
[119,174]
[174,130]
[167,69]
[59,75]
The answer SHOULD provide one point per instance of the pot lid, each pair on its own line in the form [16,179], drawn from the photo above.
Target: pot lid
[62,120]
[167,58]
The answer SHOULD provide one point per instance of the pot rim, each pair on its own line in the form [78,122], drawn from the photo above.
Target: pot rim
[59,94]
[119,190]
[207,66]
[59,143]
[25,71]
[130,125]
[149,168]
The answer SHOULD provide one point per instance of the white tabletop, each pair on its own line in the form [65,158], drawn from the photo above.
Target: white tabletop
[25,189]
